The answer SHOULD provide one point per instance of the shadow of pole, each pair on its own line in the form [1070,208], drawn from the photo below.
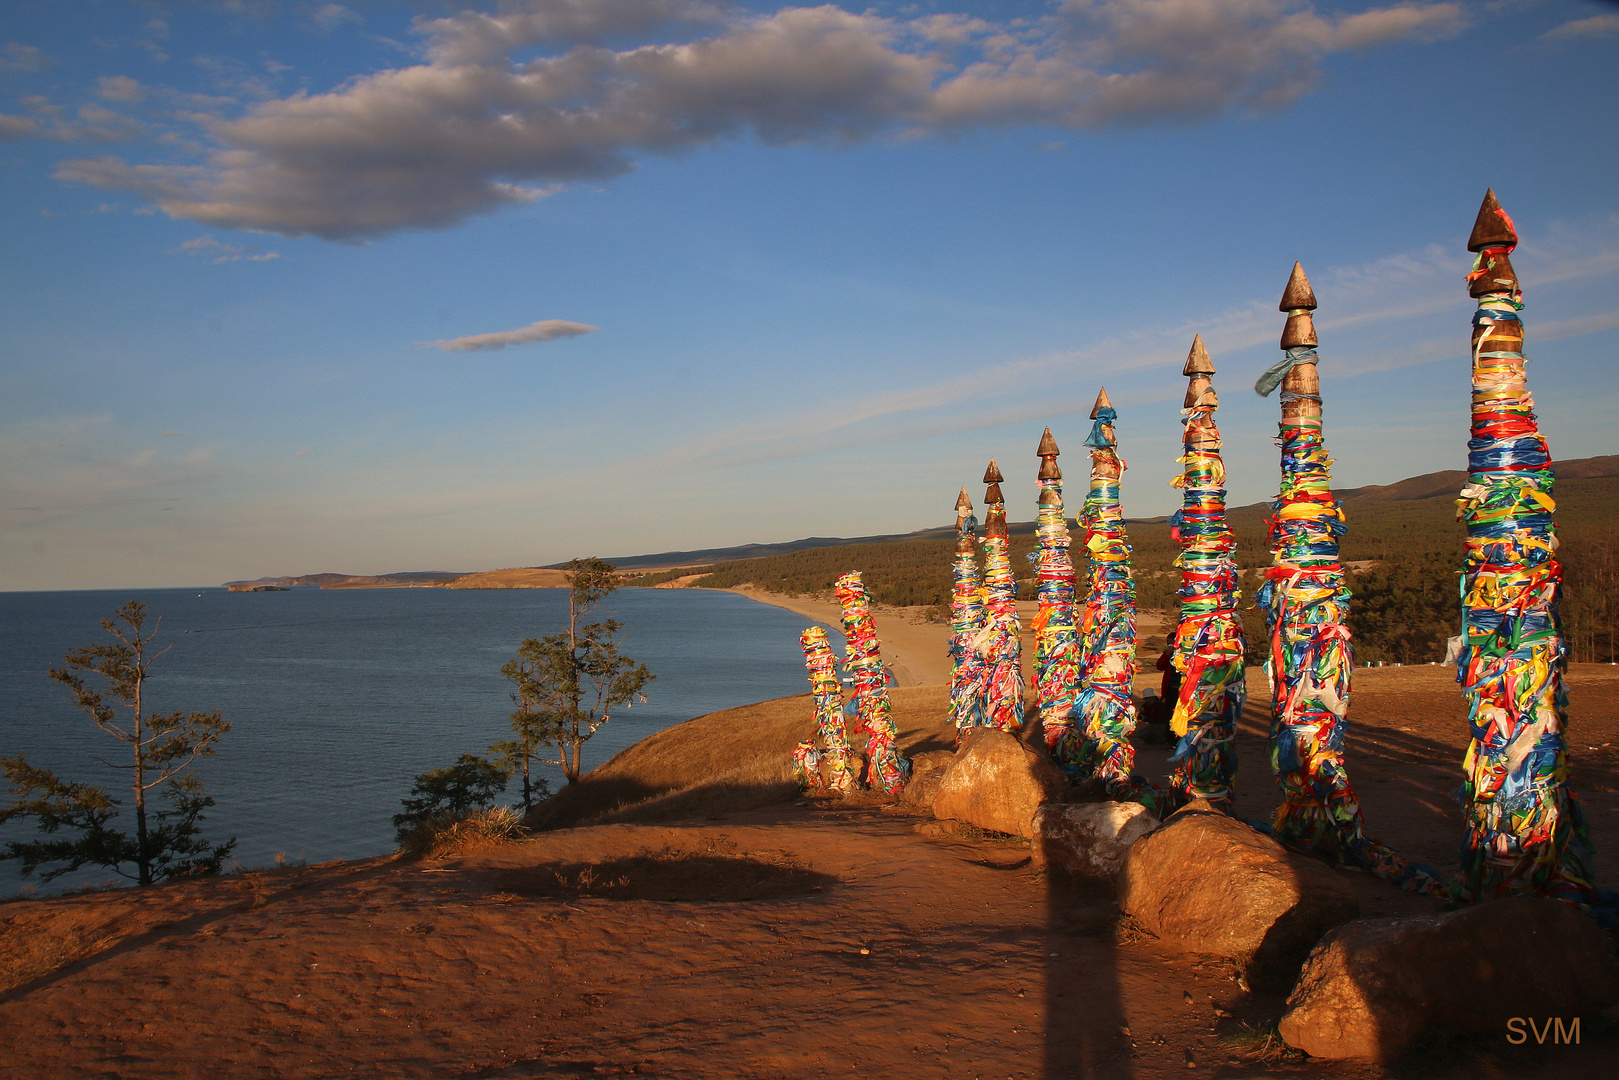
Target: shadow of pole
[1086,1015]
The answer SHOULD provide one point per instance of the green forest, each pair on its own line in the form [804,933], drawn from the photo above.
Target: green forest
[1403,553]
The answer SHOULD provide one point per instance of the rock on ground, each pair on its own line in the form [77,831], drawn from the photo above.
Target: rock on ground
[927,773]
[1374,985]
[997,783]
[1208,883]
[1089,839]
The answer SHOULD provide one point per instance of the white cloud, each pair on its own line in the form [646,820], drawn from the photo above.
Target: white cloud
[484,124]
[1402,21]
[544,330]
[214,251]
[16,127]
[472,37]
[95,123]
[300,453]
[22,58]
[171,434]
[329,17]
[120,88]
[1595,26]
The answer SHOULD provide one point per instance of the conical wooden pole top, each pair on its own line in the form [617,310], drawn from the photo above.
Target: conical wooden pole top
[1102,402]
[1197,361]
[1493,228]
[993,477]
[1048,446]
[964,505]
[1298,300]
[1298,293]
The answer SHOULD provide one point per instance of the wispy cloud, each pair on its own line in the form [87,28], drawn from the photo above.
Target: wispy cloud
[16,127]
[18,58]
[328,17]
[544,330]
[120,88]
[1394,293]
[482,124]
[1595,26]
[213,251]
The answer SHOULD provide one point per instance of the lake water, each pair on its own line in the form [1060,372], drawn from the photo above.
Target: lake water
[338,698]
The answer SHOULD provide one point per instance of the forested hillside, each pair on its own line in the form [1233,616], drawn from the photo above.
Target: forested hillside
[1404,547]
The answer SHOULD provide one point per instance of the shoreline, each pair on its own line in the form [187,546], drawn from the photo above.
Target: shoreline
[917,652]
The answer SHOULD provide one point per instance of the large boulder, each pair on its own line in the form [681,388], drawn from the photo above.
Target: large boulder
[1208,883]
[927,773]
[1089,839]
[1372,986]
[997,783]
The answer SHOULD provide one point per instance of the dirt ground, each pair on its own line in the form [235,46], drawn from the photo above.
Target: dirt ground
[810,939]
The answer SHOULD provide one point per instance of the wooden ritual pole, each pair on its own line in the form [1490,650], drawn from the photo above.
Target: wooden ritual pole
[828,695]
[1208,638]
[885,769]
[1105,708]
[999,644]
[1056,645]
[1306,601]
[1525,829]
[967,669]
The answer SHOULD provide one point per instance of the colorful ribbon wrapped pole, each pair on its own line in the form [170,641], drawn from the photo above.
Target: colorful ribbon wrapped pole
[1208,636]
[1056,644]
[828,696]
[1105,708]
[998,643]
[1306,600]
[886,770]
[1525,829]
[807,768]
[967,668]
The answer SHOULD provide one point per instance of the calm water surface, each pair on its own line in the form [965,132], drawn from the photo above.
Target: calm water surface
[338,698]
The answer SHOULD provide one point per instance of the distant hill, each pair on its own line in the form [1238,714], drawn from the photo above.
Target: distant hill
[360,581]
[1411,516]
[1403,539]
[710,556]
[1435,485]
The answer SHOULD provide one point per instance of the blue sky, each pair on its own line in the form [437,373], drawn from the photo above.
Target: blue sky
[773,271]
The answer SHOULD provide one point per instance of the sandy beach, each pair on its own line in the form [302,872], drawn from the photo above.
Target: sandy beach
[917,651]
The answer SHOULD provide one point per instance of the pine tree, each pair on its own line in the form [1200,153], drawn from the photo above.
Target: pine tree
[168,842]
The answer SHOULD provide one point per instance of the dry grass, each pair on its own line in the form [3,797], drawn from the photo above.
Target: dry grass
[760,783]
[714,873]
[726,761]
[25,957]
[462,833]
[1260,1042]
[1127,931]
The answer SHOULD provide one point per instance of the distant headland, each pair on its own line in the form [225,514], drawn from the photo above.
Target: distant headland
[1433,492]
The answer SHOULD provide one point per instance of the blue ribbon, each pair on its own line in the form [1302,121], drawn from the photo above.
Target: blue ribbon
[1298,354]
[1096,440]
